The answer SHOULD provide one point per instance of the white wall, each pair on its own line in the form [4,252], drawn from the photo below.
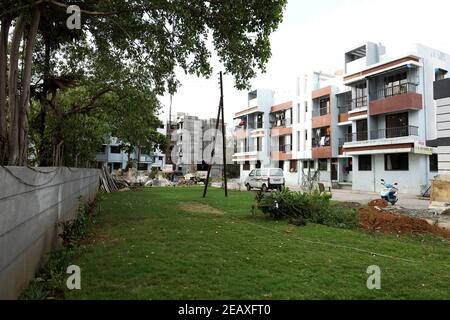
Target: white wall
[410,182]
[32,201]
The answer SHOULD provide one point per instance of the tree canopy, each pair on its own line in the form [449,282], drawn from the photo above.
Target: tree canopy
[122,48]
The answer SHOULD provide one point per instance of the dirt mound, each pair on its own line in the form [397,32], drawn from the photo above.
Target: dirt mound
[196,207]
[380,203]
[375,221]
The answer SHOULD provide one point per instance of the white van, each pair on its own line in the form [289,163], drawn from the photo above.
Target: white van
[265,179]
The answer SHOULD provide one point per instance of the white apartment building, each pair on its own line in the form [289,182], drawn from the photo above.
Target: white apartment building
[370,122]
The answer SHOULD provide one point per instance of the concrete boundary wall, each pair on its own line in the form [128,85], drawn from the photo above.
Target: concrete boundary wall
[32,201]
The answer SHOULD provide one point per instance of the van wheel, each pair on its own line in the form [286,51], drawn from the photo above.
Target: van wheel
[264,188]
[248,187]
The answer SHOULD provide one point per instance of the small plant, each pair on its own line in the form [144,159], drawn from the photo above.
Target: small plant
[301,207]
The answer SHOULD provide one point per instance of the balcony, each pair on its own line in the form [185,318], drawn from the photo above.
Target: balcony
[388,133]
[284,153]
[281,127]
[352,104]
[396,98]
[321,117]
[321,148]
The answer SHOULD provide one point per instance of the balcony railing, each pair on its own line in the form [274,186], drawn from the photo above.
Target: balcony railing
[394,132]
[286,148]
[321,142]
[352,104]
[321,112]
[396,90]
[356,136]
[387,133]
[283,123]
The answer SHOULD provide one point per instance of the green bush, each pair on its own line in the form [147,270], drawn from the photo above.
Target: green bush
[312,207]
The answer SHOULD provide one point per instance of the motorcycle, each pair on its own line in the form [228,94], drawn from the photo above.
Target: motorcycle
[389,192]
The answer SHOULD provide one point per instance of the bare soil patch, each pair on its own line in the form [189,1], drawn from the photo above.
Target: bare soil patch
[374,220]
[196,207]
[380,203]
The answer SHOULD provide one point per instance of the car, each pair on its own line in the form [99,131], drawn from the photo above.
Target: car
[265,179]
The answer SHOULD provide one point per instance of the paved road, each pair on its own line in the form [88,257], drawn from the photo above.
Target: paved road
[407,201]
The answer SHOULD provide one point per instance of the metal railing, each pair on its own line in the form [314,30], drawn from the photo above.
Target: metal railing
[356,136]
[391,91]
[282,123]
[395,132]
[352,104]
[286,148]
[321,112]
[321,142]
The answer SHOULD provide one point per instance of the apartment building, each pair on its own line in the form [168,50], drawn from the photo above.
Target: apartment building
[392,115]
[372,121]
[192,144]
[117,159]
[252,127]
[442,141]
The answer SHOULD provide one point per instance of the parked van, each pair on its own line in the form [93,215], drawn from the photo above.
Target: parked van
[265,179]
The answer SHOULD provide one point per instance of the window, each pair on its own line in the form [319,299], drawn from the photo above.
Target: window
[298,113]
[160,158]
[306,106]
[434,163]
[323,164]
[395,84]
[311,164]
[306,135]
[115,149]
[305,164]
[246,166]
[324,105]
[281,165]
[397,125]
[396,162]
[259,144]
[365,163]
[293,166]
[299,143]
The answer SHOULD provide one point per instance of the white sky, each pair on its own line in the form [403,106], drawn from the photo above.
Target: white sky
[314,36]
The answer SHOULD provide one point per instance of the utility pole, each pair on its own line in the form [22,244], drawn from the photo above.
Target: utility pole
[220,114]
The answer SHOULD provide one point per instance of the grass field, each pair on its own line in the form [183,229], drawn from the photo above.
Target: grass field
[168,243]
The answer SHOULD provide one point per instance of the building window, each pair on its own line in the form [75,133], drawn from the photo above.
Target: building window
[293,166]
[305,164]
[160,158]
[306,135]
[259,144]
[306,106]
[299,143]
[298,112]
[246,166]
[396,162]
[281,165]
[115,149]
[365,163]
[324,106]
[311,164]
[434,162]
[323,164]
[395,84]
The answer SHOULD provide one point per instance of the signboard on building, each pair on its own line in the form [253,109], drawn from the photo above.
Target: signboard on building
[421,148]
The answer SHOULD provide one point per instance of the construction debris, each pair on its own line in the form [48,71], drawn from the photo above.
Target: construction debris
[107,181]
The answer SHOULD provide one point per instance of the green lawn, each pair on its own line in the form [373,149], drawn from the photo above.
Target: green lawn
[149,247]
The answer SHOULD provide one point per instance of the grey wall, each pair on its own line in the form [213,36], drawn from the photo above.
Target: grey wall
[32,201]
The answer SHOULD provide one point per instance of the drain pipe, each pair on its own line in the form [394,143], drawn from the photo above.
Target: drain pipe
[427,159]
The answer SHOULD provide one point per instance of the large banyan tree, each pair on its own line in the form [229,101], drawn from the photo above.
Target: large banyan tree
[136,43]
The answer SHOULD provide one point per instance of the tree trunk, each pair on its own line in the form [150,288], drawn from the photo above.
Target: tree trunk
[4,31]
[13,143]
[26,80]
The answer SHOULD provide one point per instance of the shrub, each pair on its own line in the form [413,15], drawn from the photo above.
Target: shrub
[314,207]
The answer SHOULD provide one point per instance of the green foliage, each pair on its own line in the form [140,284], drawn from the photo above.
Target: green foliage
[74,230]
[301,206]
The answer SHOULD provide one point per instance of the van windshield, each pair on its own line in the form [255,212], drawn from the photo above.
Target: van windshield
[276,172]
